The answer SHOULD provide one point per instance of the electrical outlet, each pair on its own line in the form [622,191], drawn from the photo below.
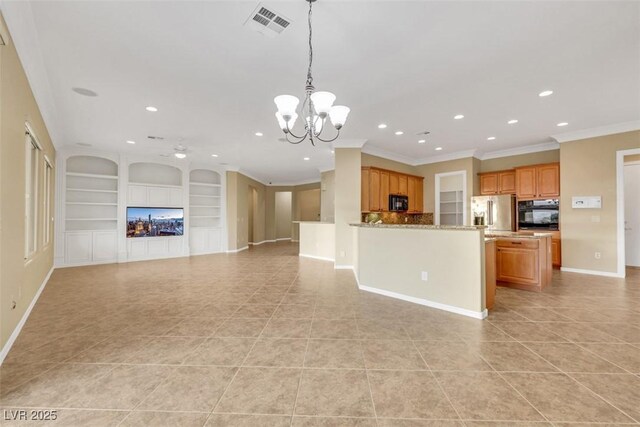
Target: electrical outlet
[424,276]
[597,255]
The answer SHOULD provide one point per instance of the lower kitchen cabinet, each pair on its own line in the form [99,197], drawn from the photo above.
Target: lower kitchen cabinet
[556,252]
[490,273]
[524,263]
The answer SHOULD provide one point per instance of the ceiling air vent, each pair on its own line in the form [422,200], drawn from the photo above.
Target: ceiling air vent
[157,138]
[267,22]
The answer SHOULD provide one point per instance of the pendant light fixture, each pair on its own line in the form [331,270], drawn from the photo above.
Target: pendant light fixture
[317,106]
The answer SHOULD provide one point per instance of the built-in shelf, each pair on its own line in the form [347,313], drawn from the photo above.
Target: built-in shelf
[155,185]
[91,190]
[92,204]
[92,219]
[92,175]
[202,184]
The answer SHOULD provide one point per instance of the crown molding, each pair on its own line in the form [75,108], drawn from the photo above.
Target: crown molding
[597,131]
[295,184]
[447,157]
[349,143]
[527,149]
[379,152]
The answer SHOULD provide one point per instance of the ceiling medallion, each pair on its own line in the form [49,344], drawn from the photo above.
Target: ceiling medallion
[315,108]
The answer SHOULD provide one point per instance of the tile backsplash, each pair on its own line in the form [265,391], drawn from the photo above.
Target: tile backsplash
[400,218]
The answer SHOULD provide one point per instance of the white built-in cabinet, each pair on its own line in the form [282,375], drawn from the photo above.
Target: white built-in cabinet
[205,211]
[90,210]
[95,189]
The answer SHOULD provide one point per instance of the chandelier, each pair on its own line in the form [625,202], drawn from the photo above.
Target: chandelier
[315,108]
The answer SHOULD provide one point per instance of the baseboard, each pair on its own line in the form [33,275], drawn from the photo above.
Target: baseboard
[25,316]
[260,243]
[282,239]
[235,251]
[294,241]
[457,310]
[592,272]
[343,267]
[317,257]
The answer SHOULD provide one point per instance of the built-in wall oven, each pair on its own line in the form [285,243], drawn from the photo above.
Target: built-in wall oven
[538,214]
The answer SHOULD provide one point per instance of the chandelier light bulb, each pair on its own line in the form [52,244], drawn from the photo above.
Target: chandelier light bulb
[338,115]
[322,102]
[283,124]
[286,104]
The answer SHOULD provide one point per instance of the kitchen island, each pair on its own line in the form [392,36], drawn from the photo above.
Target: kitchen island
[436,266]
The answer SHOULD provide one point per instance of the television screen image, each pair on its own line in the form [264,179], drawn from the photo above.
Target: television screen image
[155,222]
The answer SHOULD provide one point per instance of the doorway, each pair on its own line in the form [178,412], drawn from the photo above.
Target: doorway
[252,206]
[283,208]
[628,222]
[631,209]
[451,198]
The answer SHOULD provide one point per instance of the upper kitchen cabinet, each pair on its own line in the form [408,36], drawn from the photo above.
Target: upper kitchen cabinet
[500,182]
[538,182]
[378,184]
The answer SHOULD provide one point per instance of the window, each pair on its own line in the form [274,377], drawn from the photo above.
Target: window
[48,181]
[32,155]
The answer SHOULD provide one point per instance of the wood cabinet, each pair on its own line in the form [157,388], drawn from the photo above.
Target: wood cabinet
[377,184]
[403,183]
[538,182]
[524,263]
[548,180]
[384,190]
[500,182]
[490,273]
[374,190]
[556,252]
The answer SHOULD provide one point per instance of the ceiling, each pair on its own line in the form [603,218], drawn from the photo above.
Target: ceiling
[412,65]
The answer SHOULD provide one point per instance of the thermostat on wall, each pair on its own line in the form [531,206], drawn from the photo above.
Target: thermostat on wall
[586,202]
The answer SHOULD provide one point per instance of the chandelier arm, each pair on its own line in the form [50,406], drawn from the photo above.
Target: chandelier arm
[329,140]
[290,132]
[300,139]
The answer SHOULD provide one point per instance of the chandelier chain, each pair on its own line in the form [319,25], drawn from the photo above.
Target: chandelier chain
[309,76]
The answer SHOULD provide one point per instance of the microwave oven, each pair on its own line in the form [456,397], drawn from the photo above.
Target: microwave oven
[538,214]
[398,203]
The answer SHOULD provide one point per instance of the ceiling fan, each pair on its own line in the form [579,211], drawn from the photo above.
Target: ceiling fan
[179,152]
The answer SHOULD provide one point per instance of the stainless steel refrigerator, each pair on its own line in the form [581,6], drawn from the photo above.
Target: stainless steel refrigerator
[499,212]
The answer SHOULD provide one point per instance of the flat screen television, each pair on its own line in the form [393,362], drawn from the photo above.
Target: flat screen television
[155,222]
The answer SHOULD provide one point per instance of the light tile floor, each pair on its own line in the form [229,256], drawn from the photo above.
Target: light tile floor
[263,338]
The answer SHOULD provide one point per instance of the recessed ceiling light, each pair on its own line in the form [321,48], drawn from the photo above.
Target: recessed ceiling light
[84,91]
[422,141]
[512,122]
[399,132]
[438,148]
[306,158]
[458,117]
[180,155]
[491,138]
[382,126]
[545,93]
[259,134]
[152,109]
[130,141]
[214,155]
[562,124]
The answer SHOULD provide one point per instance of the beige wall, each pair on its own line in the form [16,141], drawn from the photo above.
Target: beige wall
[327,196]
[429,171]
[511,162]
[308,205]
[452,259]
[380,162]
[283,211]
[347,202]
[588,168]
[19,282]
[264,218]
[632,158]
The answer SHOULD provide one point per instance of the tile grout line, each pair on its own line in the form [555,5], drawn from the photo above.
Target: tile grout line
[249,352]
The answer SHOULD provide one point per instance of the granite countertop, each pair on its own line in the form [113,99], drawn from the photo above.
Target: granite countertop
[420,226]
[514,235]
